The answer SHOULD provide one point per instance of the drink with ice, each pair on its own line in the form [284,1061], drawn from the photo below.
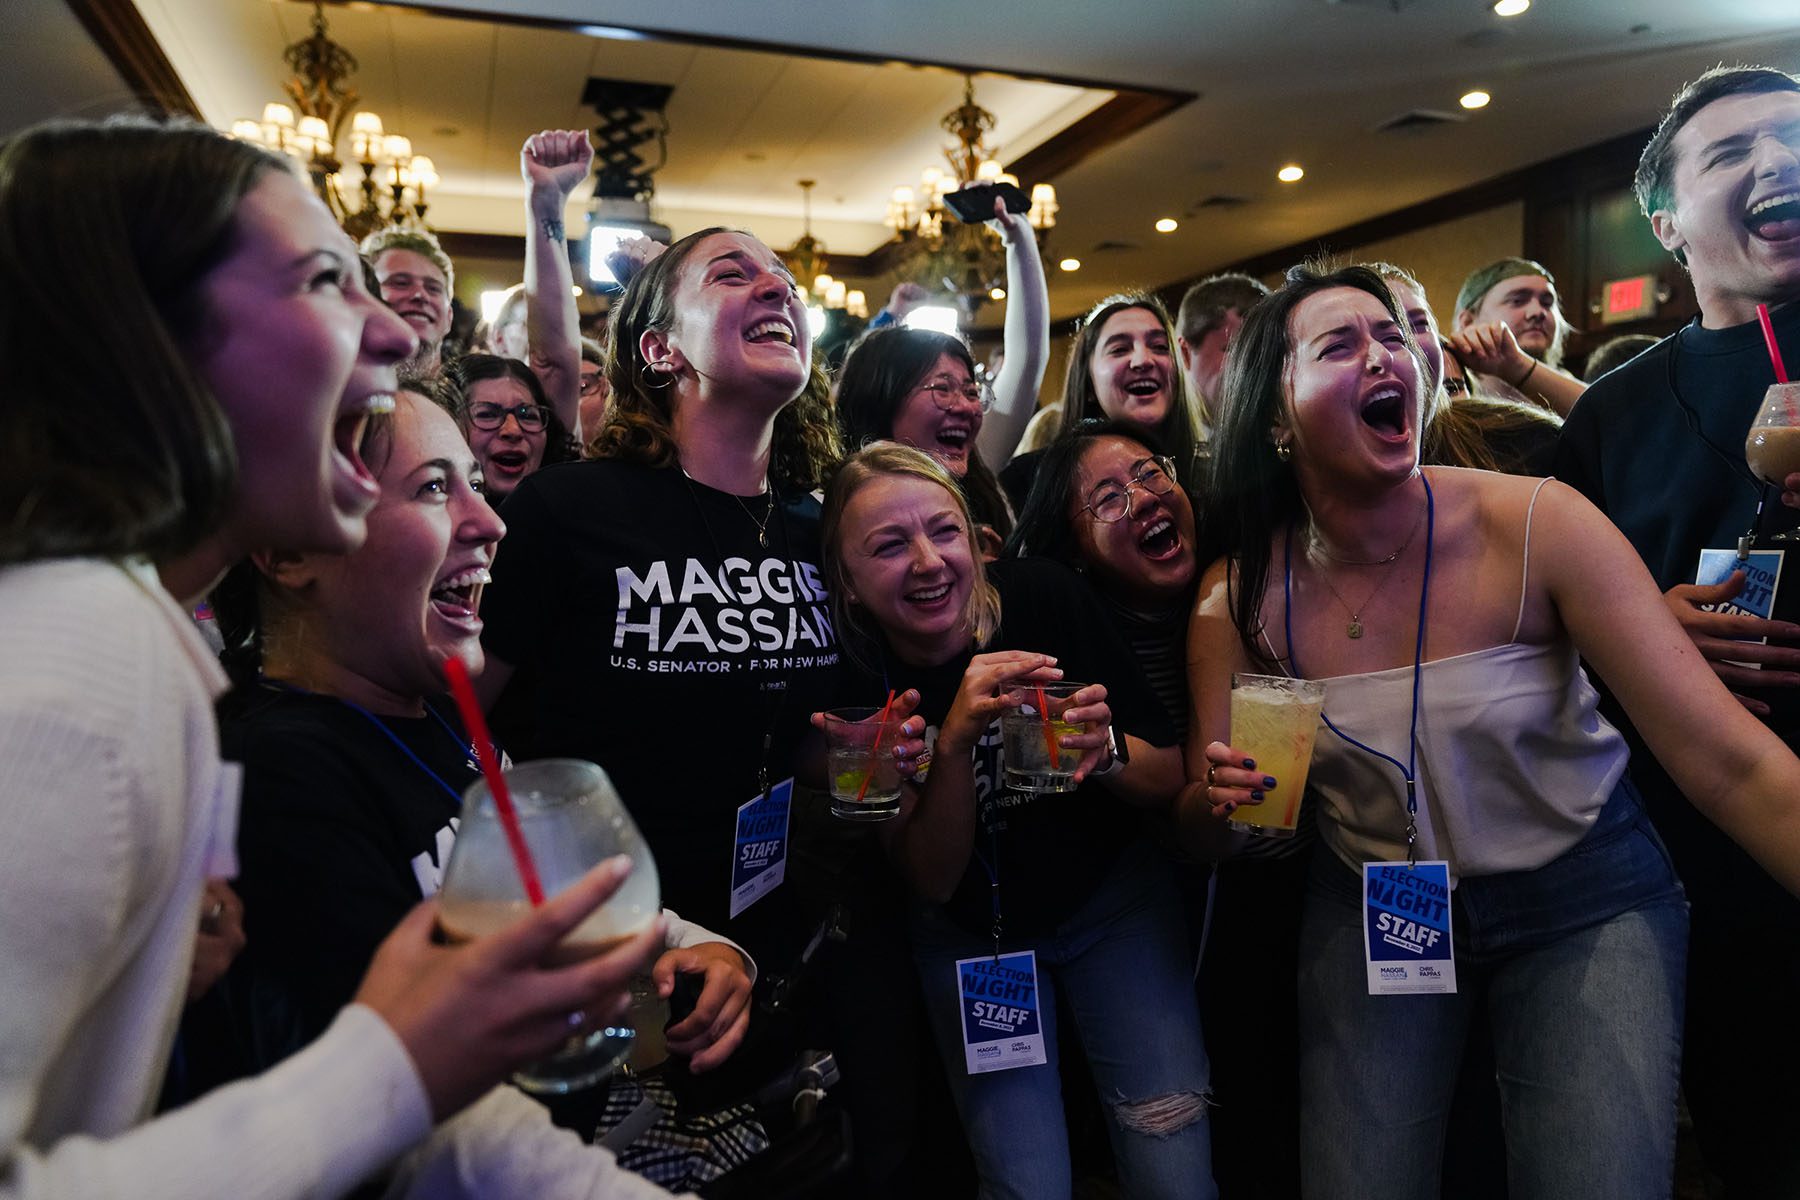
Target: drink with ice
[865,777]
[1031,740]
[1273,720]
[572,820]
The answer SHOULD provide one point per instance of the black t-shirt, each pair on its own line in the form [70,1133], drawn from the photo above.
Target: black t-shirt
[1050,851]
[341,832]
[1658,445]
[1159,643]
[663,642]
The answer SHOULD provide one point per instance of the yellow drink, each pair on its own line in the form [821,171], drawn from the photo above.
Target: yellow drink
[1273,720]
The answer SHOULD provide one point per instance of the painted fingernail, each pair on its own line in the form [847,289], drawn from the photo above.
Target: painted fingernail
[1231,806]
[1256,795]
[1249,764]
[1268,781]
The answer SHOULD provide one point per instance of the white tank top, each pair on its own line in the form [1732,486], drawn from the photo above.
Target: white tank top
[1515,760]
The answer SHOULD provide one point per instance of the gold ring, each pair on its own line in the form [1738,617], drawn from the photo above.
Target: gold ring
[1210,768]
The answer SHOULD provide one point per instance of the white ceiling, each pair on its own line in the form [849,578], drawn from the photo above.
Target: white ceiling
[1306,80]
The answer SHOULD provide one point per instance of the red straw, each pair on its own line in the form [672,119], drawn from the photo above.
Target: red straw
[1044,719]
[476,724]
[875,750]
[1762,314]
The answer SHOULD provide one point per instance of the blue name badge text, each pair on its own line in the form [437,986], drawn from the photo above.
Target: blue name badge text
[1762,576]
[1000,1020]
[1406,928]
[759,859]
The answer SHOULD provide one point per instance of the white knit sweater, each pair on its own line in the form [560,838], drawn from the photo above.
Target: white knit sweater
[114,808]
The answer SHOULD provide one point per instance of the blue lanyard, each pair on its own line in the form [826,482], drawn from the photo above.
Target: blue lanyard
[1409,769]
[461,744]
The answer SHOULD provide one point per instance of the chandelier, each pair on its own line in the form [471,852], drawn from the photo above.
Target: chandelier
[394,180]
[806,259]
[967,259]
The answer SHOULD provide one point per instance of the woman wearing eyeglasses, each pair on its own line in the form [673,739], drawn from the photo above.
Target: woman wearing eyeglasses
[919,387]
[511,426]
[1067,877]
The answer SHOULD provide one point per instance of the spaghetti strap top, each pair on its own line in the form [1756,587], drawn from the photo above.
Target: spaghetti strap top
[1515,760]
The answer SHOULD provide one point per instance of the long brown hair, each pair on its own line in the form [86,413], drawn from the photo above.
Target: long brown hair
[1178,431]
[639,423]
[1252,493]
[112,444]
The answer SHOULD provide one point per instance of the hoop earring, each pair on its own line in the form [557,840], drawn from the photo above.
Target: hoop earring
[649,372]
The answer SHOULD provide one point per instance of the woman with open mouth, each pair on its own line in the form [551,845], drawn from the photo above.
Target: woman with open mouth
[998,874]
[221,412]
[663,605]
[1445,611]
[922,388]
[355,758]
[508,419]
[1122,367]
[1106,503]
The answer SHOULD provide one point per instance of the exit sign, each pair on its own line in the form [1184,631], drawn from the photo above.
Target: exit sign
[1627,299]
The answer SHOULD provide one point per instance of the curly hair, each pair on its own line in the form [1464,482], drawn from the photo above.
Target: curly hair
[640,420]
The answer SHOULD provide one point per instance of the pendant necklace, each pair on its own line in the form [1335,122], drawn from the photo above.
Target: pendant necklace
[762,526]
[1354,629]
[768,495]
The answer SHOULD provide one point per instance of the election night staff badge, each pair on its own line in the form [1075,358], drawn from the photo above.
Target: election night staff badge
[1000,1018]
[1762,578]
[759,860]
[1406,928]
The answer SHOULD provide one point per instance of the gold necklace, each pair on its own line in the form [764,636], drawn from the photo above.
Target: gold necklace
[1354,629]
[1315,542]
[768,494]
[762,526]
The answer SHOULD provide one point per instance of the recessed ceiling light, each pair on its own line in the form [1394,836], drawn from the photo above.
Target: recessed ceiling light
[1510,8]
[1292,173]
[1475,99]
[1167,225]
[998,293]
[1070,264]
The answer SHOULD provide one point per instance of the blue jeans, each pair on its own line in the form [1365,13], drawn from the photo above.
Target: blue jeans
[1579,964]
[1121,966]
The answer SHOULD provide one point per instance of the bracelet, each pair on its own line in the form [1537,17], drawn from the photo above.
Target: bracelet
[1526,375]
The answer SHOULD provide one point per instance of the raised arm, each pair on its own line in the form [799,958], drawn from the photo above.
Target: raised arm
[1026,340]
[1491,349]
[1725,761]
[553,163]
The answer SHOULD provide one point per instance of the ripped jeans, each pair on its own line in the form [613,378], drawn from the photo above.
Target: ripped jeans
[1121,966]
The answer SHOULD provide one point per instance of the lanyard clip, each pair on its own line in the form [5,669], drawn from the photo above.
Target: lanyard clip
[1412,824]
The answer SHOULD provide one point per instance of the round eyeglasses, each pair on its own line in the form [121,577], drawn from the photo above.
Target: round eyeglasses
[532,418]
[1155,477]
[945,394]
